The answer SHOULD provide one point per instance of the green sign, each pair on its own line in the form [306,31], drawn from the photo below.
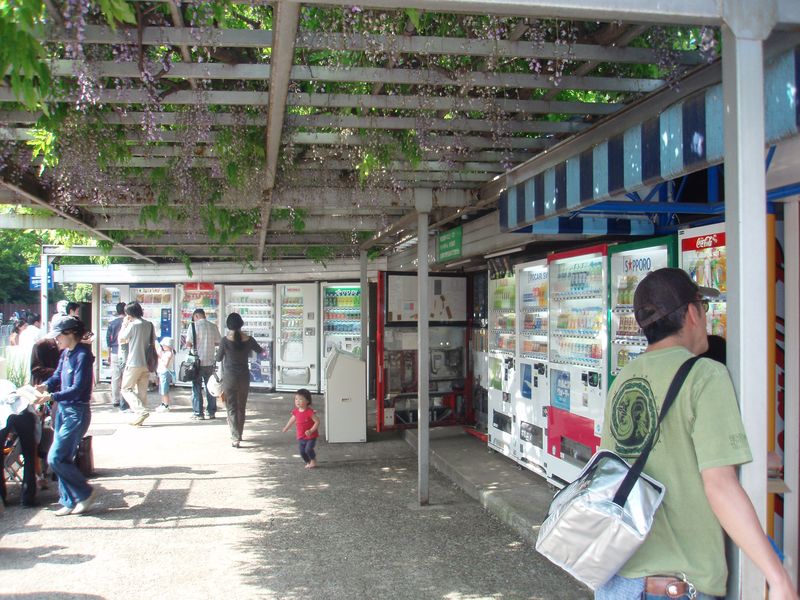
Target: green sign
[450,244]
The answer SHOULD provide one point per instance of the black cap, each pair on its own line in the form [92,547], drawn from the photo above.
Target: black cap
[664,291]
[66,324]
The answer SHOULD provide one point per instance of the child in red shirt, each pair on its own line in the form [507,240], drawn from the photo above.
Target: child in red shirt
[307,423]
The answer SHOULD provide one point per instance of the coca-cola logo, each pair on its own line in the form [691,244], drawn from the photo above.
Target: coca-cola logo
[706,242]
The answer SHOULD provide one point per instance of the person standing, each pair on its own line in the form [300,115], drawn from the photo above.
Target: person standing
[697,448]
[112,343]
[32,333]
[138,334]
[165,373]
[71,388]
[202,336]
[234,354]
[306,423]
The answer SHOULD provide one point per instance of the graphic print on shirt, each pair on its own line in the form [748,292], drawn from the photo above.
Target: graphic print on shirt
[634,415]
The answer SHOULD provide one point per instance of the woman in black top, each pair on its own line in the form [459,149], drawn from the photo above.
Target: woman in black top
[234,354]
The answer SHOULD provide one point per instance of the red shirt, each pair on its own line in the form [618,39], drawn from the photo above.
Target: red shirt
[304,422]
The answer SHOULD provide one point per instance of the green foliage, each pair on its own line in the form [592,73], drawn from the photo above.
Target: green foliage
[224,225]
[295,216]
[43,143]
[117,11]
[77,292]
[18,249]
[320,254]
[22,57]
[240,150]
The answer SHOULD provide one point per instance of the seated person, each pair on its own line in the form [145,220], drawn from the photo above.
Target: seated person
[16,417]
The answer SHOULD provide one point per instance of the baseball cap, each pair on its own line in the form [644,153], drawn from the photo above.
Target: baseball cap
[167,341]
[664,291]
[66,324]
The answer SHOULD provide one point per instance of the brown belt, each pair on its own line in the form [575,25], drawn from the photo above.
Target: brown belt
[671,587]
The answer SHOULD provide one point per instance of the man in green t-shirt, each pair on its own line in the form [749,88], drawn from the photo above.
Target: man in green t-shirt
[695,453]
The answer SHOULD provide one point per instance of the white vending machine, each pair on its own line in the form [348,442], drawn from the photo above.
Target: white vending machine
[532,392]
[502,349]
[110,296]
[297,351]
[194,295]
[345,397]
[578,359]
[256,305]
[703,255]
[158,305]
[341,320]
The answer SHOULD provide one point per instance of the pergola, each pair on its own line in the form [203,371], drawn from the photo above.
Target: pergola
[328,130]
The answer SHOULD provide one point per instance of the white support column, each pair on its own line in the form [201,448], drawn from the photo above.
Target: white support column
[791,419]
[746,229]
[423,205]
[44,263]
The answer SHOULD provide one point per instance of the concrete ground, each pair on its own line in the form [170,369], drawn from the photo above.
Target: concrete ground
[184,515]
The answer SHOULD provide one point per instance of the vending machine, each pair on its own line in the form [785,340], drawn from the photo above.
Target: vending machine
[502,350]
[256,305]
[577,346]
[194,295]
[628,264]
[110,296]
[341,320]
[703,255]
[297,351]
[532,393]
[158,305]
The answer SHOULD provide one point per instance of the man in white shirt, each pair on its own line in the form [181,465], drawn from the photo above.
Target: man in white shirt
[204,340]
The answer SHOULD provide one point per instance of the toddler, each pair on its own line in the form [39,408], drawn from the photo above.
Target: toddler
[307,422]
[166,355]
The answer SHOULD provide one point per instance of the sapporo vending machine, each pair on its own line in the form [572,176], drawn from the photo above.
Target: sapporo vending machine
[297,351]
[341,320]
[629,263]
[502,350]
[110,296]
[578,362]
[191,296]
[256,305]
[703,255]
[532,394]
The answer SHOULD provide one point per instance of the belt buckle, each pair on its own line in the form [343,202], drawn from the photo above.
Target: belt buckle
[691,592]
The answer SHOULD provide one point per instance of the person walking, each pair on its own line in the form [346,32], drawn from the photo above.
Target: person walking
[697,448]
[71,388]
[307,424]
[112,343]
[202,336]
[234,354]
[138,334]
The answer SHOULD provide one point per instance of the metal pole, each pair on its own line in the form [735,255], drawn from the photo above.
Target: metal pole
[44,262]
[423,358]
[746,228]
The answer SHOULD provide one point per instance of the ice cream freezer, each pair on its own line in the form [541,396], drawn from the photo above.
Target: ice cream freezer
[256,305]
[297,351]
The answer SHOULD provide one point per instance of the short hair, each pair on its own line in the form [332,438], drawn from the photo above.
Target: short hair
[33,318]
[199,311]
[20,323]
[134,309]
[72,306]
[305,394]
[717,349]
[120,308]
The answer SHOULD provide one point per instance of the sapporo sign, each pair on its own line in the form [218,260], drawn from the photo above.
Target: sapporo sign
[450,244]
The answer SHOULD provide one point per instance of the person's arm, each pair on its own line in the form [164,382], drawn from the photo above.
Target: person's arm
[735,512]
[109,331]
[220,353]
[188,338]
[255,346]
[315,426]
[125,331]
[291,422]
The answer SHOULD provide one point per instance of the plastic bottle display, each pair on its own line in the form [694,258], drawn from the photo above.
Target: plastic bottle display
[342,310]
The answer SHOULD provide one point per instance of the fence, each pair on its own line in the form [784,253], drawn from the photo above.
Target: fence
[7,309]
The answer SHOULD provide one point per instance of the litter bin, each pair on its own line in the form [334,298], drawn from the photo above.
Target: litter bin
[345,398]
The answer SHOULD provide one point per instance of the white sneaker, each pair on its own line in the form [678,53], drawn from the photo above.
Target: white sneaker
[64,511]
[83,506]
[162,408]
[140,419]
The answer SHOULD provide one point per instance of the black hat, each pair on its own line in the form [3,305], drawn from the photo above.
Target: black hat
[664,291]
[67,324]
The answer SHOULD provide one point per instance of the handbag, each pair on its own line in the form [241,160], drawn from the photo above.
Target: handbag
[597,522]
[189,369]
[150,353]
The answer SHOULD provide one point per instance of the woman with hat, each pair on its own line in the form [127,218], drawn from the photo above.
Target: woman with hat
[234,353]
[71,387]
[166,356]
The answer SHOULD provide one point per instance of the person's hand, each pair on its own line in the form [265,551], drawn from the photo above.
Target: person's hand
[43,399]
[222,397]
[309,432]
[41,387]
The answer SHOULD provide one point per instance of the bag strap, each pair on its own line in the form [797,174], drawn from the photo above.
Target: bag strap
[194,340]
[621,497]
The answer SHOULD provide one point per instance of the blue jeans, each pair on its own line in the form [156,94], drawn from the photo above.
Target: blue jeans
[71,424]
[307,450]
[622,588]
[198,385]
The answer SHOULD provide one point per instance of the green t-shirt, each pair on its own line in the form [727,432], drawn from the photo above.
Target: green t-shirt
[703,429]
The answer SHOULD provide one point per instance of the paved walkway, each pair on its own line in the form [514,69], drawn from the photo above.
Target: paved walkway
[184,515]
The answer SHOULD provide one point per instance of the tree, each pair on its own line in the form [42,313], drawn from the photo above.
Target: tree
[18,249]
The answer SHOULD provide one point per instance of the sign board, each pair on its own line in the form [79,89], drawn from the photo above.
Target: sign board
[35,277]
[450,244]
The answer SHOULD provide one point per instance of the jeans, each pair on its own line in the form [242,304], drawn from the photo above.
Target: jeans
[24,425]
[198,385]
[116,382]
[622,588]
[72,423]
[307,450]
[164,380]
